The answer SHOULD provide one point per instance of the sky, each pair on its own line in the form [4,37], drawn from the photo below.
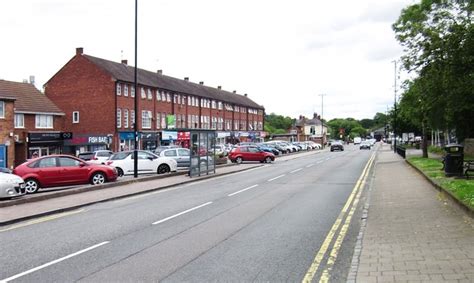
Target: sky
[293,57]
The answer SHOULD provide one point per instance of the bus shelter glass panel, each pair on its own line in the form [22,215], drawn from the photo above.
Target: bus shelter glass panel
[202,153]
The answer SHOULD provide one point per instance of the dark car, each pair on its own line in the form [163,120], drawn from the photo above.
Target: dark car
[250,153]
[266,148]
[62,170]
[336,145]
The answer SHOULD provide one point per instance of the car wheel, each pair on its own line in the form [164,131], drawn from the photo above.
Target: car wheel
[268,159]
[119,172]
[239,160]
[332,150]
[31,186]
[163,168]
[98,178]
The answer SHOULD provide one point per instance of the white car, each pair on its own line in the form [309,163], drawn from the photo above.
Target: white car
[11,185]
[148,162]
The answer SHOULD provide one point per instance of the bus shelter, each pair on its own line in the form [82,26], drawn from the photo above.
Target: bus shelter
[203,152]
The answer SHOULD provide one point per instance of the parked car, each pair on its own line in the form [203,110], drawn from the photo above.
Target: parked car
[163,147]
[62,170]
[96,157]
[337,145]
[11,185]
[278,147]
[365,145]
[250,153]
[180,155]
[220,149]
[266,148]
[148,162]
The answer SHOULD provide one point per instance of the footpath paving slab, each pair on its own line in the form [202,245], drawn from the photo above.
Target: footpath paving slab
[412,234]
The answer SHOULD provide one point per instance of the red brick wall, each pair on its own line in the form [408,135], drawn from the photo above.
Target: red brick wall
[81,86]
[6,127]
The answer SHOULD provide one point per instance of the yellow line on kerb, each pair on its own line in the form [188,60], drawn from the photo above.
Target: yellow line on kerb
[43,219]
[325,246]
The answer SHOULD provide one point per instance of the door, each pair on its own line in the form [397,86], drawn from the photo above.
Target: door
[73,171]
[254,154]
[3,156]
[146,162]
[183,157]
[48,172]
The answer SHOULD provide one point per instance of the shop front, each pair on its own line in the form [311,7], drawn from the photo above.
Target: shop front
[87,143]
[183,139]
[169,138]
[126,141]
[149,140]
[46,143]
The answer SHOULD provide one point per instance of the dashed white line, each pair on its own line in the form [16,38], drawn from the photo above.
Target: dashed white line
[238,192]
[319,162]
[181,213]
[273,179]
[294,171]
[52,262]
[328,158]
[309,165]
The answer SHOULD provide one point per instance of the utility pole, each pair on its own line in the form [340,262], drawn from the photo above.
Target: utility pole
[137,93]
[322,127]
[395,108]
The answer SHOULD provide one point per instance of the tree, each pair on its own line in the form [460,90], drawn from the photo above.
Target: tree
[278,124]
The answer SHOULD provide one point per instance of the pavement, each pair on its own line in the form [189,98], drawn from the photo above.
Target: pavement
[65,199]
[411,232]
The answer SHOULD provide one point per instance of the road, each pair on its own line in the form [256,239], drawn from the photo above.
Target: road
[272,223]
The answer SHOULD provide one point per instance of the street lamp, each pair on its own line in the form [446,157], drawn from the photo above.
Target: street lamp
[322,127]
[395,108]
[135,148]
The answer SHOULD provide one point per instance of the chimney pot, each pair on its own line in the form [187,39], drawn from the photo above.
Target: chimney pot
[201,83]
[234,91]
[186,79]
[125,61]
[219,87]
[32,80]
[160,72]
[79,50]
[245,95]
[315,115]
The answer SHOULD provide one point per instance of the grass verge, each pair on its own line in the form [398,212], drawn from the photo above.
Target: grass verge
[461,189]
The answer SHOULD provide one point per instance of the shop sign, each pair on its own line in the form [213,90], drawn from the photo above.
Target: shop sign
[183,136]
[86,139]
[41,137]
[169,135]
[149,136]
[127,135]
[170,121]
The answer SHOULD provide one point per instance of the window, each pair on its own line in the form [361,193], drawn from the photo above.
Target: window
[179,99]
[158,120]
[132,118]
[47,162]
[168,97]
[163,96]
[19,120]
[2,109]
[163,120]
[174,98]
[184,100]
[75,117]
[143,93]
[150,95]
[68,162]
[125,90]
[119,118]
[146,119]
[119,89]
[44,121]
[214,106]
[132,92]
[171,153]
[158,95]
[125,118]
[190,100]
[219,105]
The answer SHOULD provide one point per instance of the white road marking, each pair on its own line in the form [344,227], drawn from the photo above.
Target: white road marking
[319,162]
[294,171]
[328,158]
[238,192]
[273,179]
[52,262]
[181,213]
[309,165]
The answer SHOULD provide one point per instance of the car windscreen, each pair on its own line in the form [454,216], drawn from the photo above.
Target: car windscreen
[85,156]
[104,153]
[119,155]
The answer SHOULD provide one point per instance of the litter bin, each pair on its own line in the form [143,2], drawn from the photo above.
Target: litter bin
[453,160]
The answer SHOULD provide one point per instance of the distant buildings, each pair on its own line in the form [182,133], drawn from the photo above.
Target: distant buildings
[311,129]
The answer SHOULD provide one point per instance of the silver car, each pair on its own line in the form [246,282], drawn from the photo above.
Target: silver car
[11,185]
[181,155]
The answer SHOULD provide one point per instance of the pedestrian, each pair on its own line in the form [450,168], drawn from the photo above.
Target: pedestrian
[35,155]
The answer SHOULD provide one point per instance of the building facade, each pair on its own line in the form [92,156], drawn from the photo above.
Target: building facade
[98,98]
[31,122]
[311,129]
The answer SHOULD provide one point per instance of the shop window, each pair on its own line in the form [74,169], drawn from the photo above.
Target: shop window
[75,117]
[44,121]
[19,121]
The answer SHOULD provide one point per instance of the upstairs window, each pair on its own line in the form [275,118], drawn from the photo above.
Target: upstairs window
[19,121]
[158,95]
[146,119]
[119,118]
[2,109]
[119,89]
[75,117]
[143,93]
[125,90]
[168,97]
[132,92]
[125,118]
[150,95]
[44,121]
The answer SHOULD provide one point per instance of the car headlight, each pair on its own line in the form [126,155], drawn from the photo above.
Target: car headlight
[13,180]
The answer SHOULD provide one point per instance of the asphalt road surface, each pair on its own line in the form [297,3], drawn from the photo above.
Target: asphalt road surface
[272,223]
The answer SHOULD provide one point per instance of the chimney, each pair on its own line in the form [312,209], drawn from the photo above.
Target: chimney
[186,79]
[201,83]
[234,91]
[125,61]
[32,80]
[315,115]
[245,95]
[160,72]
[319,117]
[219,87]
[79,51]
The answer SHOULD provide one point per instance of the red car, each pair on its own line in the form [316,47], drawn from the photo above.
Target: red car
[62,170]
[250,153]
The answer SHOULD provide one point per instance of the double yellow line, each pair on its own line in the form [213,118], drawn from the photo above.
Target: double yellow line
[41,220]
[354,199]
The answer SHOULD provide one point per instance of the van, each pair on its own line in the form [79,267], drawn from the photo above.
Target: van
[357,140]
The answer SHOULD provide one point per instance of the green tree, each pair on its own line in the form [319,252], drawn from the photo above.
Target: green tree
[278,124]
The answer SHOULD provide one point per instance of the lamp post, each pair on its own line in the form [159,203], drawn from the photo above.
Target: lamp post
[135,147]
[395,108]
[322,127]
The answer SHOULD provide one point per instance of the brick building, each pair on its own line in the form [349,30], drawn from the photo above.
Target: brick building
[311,129]
[98,95]
[30,122]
